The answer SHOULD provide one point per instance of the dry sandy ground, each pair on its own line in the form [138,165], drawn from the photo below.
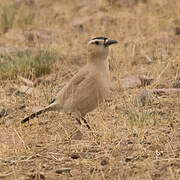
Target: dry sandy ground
[134,136]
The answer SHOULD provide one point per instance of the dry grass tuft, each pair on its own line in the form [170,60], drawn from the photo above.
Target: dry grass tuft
[29,63]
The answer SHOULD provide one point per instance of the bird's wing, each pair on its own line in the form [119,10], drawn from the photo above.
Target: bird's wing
[88,94]
[72,85]
[81,92]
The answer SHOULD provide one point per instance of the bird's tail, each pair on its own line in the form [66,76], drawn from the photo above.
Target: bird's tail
[48,108]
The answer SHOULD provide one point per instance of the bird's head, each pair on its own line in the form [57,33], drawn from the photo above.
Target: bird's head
[99,47]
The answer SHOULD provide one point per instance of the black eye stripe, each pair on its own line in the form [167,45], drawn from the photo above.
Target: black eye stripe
[101,38]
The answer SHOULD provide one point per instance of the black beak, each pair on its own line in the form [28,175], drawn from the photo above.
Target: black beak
[110,42]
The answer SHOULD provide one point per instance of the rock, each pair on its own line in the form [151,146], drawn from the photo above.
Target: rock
[28,90]
[127,159]
[130,81]
[133,156]
[63,170]
[92,170]
[77,136]
[177,30]
[2,111]
[75,156]
[104,162]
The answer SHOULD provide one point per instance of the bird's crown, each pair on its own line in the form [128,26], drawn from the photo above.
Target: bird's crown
[102,40]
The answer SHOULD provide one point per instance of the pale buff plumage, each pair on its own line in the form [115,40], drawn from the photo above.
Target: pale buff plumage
[89,87]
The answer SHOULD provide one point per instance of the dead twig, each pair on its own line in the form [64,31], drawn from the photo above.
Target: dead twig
[6,174]
[166,91]
[21,139]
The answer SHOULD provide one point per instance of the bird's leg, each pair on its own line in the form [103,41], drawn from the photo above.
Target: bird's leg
[78,120]
[87,125]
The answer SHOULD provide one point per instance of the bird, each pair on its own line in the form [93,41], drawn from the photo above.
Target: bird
[87,89]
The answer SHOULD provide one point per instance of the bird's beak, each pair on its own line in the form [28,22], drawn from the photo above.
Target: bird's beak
[110,42]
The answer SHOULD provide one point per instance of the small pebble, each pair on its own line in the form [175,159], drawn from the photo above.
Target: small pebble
[104,162]
[75,156]
[2,111]
[127,159]
[63,170]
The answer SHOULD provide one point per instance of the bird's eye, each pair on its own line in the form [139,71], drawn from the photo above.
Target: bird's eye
[96,42]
